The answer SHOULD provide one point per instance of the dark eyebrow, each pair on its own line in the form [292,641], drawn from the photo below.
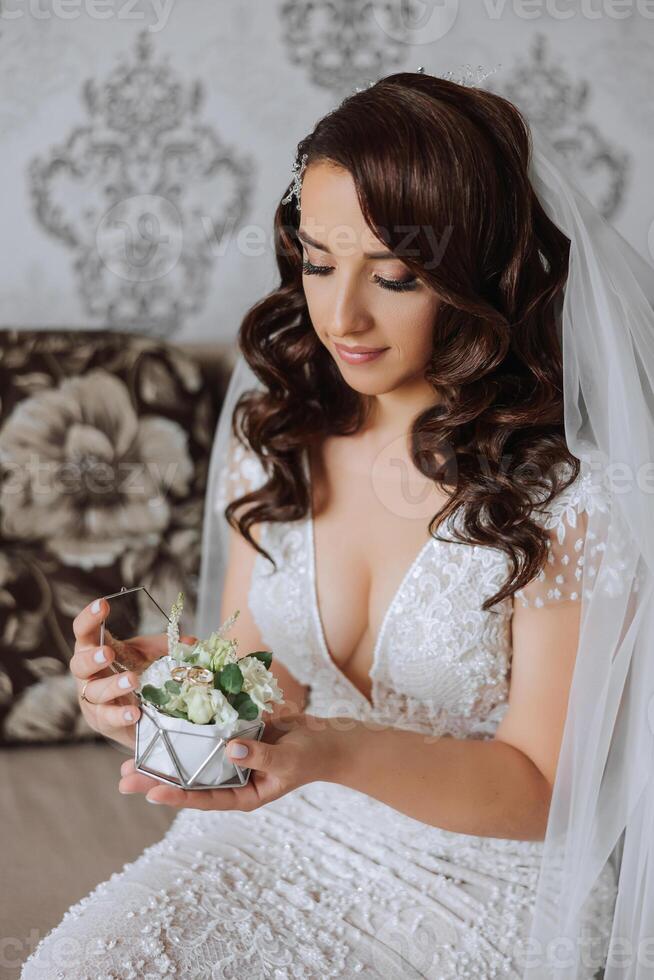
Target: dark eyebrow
[303,236]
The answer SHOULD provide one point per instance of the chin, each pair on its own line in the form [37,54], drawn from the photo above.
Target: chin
[367,386]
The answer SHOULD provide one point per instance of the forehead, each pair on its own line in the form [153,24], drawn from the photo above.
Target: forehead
[330,210]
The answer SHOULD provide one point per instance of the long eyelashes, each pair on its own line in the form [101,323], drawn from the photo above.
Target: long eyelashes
[395,285]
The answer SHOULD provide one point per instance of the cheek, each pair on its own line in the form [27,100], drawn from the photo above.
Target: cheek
[413,332]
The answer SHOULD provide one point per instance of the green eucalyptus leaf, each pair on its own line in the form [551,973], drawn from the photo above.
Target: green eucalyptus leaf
[176,713]
[230,679]
[265,656]
[155,695]
[173,687]
[245,706]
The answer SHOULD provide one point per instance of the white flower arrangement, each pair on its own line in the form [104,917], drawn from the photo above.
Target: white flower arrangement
[206,683]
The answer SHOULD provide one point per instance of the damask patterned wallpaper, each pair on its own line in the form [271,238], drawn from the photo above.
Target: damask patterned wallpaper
[146,143]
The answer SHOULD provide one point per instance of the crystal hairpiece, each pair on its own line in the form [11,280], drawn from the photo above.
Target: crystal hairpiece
[297,173]
[467,76]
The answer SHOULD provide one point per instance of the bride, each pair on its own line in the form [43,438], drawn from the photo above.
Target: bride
[406,527]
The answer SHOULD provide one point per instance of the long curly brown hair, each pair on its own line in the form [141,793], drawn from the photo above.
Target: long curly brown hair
[437,157]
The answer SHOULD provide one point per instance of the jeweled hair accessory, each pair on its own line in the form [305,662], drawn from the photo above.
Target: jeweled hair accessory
[297,172]
[465,75]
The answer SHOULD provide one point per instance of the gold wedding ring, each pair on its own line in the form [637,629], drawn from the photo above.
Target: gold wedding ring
[200,676]
[83,696]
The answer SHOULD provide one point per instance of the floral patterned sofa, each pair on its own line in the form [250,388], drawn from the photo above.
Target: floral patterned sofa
[104,450]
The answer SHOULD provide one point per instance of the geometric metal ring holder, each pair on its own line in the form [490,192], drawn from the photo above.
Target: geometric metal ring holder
[176,751]
[185,765]
[105,635]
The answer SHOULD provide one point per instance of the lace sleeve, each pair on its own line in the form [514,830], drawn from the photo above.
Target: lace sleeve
[241,473]
[566,520]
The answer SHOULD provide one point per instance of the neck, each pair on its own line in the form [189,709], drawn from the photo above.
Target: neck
[392,414]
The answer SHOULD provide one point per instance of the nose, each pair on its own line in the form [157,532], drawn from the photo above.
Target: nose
[348,315]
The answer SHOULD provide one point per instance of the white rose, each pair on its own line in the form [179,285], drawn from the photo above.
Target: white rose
[259,683]
[199,705]
[225,715]
[158,672]
[177,702]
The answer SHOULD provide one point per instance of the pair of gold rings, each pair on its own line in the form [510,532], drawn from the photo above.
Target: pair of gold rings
[200,676]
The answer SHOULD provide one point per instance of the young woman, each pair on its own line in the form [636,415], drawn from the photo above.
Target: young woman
[410,532]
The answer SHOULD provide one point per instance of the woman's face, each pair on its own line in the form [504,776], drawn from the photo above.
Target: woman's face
[353,298]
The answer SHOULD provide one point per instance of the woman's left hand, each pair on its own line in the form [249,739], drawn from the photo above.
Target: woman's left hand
[297,749]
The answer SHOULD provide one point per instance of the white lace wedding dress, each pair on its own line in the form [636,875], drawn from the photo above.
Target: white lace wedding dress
[327,882]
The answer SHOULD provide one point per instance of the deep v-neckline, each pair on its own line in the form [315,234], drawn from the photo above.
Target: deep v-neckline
[322,641]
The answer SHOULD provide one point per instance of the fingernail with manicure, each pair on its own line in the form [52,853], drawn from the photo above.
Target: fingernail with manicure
[124,682]
[99,656]
[238,751]
[95,608]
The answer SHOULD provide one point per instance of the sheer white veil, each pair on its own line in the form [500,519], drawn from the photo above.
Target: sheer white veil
[603,799]
[215,530]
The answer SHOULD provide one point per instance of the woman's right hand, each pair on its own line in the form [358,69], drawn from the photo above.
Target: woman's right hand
[111,708]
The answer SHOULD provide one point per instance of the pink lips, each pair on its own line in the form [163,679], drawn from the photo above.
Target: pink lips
[358,354]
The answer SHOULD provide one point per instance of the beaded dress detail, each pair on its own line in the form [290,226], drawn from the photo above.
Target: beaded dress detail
[326,881]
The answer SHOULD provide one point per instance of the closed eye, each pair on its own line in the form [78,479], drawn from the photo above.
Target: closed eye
[395,285]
